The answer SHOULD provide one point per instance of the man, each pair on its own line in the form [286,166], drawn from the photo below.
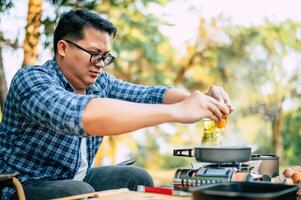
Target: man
[56,114]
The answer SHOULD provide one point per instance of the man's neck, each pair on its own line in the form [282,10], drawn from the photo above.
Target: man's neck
[76,89]
[82,91]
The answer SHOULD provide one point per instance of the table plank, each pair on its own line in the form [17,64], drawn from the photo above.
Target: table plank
[124,194]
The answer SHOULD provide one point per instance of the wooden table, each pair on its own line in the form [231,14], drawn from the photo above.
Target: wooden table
[124,194]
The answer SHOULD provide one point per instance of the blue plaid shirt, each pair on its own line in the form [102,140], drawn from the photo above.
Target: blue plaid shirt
[41,129]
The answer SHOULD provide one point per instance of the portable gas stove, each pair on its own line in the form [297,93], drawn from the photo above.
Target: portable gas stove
[210,172]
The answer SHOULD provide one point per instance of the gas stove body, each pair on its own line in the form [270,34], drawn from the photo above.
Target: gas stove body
[211,174]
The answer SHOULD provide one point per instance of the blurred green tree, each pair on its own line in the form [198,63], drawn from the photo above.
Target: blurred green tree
[292,137]
[5,5]
[139,43]
[252,63]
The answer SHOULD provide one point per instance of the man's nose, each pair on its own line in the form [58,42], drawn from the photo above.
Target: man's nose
[101,64]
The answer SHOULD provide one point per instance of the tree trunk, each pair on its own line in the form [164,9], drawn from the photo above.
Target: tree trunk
[32,35]
[276,134]
[3,86]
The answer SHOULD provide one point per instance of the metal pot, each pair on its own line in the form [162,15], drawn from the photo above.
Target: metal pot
[226,154]
[269,164]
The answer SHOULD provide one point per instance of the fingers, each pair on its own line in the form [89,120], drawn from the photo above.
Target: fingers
[215,109]
[209,106]
[220,105]
[215,93]
[219,94]
[226,98]
[216,113]
[213,117]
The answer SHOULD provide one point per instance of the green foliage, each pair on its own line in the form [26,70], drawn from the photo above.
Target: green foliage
[291,134]
[251,64]
[149,156]
[139,44]
[172,162]
[5,5]
[152,159]
[138,41]
[246,61]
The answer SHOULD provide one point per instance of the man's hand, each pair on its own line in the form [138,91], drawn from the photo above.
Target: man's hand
[198,106]
[106,116]
[220,95]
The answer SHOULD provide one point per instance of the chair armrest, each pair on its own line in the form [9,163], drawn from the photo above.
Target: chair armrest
[6,180]
[10,180]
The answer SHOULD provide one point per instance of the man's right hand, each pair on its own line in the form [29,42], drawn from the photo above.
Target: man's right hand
[198,106]
[105,116]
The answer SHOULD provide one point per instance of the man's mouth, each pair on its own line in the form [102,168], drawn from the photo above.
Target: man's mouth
[95,73]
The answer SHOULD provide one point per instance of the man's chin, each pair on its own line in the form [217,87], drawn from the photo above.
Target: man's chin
[91,80]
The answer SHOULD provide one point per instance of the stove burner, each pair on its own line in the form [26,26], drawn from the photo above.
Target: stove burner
[239,166]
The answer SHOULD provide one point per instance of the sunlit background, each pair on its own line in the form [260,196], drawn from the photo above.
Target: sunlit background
[251,48]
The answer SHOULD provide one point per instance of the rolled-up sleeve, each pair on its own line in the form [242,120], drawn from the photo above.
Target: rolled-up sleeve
[44,101]
[135,93]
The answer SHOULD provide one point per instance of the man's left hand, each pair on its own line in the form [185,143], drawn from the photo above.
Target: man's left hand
[220,95]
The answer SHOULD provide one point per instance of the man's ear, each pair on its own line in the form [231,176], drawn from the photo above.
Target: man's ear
[61,47]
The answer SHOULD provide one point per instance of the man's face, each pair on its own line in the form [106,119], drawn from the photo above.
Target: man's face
[78,67]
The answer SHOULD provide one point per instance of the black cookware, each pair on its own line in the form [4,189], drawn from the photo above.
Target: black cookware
[223,154]
[245,191]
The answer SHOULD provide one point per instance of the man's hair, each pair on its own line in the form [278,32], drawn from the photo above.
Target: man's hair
[72,24]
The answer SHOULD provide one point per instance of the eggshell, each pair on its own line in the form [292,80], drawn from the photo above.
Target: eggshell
[296,168]
[239,176]
[288,172]
[296,177]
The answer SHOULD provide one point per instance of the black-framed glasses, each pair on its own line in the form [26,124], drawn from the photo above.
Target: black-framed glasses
[96,58]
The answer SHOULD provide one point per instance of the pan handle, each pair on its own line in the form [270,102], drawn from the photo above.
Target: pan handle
[183,152]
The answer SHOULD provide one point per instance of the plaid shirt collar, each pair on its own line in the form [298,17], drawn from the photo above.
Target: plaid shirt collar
[65,83]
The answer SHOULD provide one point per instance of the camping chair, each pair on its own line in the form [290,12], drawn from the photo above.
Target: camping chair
[10,180]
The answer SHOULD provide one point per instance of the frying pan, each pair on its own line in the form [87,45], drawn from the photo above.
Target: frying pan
[225,154]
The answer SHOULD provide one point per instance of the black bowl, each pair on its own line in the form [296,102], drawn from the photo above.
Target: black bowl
[245,191]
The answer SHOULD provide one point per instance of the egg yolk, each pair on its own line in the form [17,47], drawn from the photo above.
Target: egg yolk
[222,123]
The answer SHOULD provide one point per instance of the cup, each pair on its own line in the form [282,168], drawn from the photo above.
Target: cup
[212,135]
